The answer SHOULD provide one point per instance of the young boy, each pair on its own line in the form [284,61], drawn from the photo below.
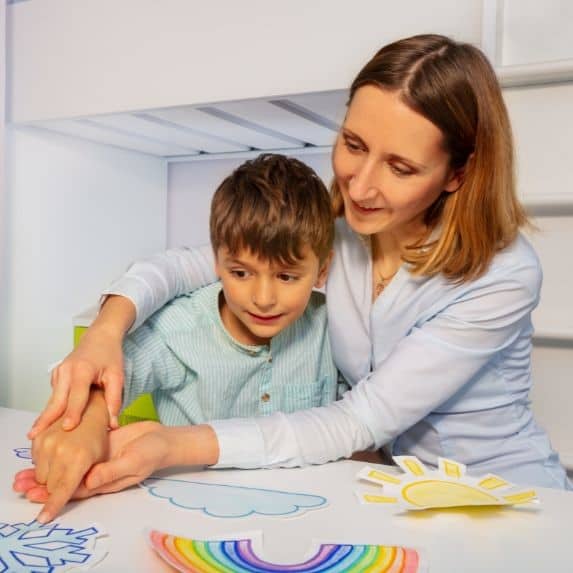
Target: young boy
[252,344]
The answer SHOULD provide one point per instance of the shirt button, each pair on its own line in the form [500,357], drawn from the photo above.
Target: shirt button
[265,397]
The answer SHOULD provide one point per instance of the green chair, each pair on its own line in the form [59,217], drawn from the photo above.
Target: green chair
[140,409]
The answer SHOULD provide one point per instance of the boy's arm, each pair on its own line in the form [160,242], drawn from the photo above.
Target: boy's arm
[62,458]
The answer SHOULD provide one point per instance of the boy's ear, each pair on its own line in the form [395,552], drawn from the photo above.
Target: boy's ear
[323,271]
[217,265]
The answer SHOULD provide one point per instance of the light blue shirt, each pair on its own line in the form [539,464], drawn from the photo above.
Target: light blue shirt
[437,369]
[196,371]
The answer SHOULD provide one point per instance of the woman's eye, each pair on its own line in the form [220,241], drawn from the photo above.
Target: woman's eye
[401,170]
[352,145]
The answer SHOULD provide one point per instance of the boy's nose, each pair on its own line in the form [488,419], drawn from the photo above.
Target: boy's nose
[263,295]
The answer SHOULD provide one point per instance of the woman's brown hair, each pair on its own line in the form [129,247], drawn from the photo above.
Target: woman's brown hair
[453,85]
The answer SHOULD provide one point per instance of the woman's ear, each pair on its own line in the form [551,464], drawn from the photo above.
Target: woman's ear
[455,181]
[456,177]
[323,271]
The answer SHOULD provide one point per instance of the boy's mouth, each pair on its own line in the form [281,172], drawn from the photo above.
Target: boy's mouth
[264,319]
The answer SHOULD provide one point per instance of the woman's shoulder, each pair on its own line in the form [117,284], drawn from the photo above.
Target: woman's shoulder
[518,261]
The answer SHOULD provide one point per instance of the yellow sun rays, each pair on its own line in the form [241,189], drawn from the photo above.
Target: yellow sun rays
[447,486]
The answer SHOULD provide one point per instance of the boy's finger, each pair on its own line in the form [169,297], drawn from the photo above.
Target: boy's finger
[113,389]
[55,407]
[60,492]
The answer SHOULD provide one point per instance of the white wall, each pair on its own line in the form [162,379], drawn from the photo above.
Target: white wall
[103,56]
[77,214]
[192,184]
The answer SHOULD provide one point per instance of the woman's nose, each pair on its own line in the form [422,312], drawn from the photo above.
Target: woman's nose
[364,184]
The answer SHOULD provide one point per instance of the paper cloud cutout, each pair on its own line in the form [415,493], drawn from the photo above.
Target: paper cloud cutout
[23,453]
[221,500]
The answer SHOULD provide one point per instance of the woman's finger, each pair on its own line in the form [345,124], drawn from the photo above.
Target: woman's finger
[113,389]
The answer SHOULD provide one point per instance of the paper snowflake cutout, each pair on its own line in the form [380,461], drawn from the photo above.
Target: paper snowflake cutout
[35,548]
[447,486]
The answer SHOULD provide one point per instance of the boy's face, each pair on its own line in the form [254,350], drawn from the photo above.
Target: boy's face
[262,297]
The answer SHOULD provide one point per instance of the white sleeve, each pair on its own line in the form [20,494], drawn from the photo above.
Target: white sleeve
[152,282]
[426,368]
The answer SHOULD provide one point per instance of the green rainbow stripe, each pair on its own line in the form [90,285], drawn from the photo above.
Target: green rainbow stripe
[237,556]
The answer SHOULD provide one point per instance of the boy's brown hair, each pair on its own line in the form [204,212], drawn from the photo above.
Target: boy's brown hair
[273,206]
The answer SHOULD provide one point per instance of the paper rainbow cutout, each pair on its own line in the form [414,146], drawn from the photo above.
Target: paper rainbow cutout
[237,556]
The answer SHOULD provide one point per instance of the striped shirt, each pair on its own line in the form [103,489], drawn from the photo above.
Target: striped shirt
[196,371]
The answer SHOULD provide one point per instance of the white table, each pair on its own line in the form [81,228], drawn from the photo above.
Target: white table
[456,541]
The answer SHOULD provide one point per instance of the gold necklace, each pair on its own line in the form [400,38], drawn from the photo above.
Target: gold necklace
[381,284]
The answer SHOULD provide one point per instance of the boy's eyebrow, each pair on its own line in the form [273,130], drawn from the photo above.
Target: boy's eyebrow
[394,156]
[286,266]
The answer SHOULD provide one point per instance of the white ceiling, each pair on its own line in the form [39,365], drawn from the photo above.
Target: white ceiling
[290,122]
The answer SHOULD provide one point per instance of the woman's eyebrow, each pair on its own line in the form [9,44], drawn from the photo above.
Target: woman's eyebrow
[393,156]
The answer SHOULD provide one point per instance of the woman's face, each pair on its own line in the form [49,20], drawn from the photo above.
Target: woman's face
[390,164]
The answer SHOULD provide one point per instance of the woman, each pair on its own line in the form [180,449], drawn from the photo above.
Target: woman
[429,297]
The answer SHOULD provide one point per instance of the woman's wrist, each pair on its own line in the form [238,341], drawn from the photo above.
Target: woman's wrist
[190,445]
[115,317]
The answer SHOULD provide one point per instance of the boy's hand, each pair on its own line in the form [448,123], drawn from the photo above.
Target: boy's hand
[135,452]
[62,458]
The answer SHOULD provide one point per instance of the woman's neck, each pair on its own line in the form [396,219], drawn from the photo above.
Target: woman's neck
[389,246]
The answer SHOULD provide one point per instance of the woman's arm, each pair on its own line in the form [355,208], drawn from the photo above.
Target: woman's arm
[425,370]
[145,287]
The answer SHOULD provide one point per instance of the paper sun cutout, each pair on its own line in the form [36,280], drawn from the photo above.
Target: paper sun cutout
[35,548]
[237,556]
[448,486]
[219,500]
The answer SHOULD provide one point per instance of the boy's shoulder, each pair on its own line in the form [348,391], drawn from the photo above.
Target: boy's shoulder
[189,309]
[315,312]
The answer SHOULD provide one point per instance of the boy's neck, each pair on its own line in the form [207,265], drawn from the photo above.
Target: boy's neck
[236,329]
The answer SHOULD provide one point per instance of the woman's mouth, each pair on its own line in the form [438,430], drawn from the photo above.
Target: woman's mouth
[365,210]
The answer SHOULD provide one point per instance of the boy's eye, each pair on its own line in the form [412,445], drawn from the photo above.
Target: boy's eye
[239,273]
[287,278]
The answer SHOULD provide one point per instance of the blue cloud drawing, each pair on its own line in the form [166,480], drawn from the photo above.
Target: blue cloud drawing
[23,453]
[221,500]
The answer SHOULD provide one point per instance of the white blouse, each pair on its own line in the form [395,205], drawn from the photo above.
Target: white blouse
[437,369]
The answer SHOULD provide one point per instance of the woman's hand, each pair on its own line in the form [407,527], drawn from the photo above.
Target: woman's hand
[98,360]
